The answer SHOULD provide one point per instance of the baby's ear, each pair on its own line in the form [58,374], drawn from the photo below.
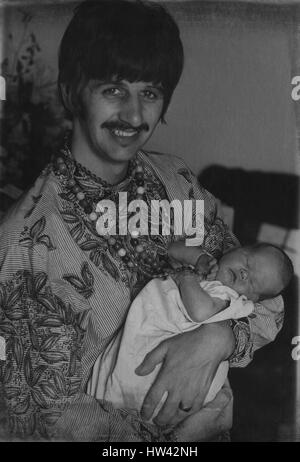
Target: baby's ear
[255,298]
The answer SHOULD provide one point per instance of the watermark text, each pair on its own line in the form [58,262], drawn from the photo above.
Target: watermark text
[161,217]
[2,88]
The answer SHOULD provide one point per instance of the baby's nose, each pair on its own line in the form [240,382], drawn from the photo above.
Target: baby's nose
[244,275]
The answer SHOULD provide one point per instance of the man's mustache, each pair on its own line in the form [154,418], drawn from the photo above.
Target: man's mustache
[124,126]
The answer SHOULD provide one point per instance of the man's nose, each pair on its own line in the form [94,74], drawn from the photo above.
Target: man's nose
[132,111]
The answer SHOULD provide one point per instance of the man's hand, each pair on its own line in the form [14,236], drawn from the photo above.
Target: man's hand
[213,419]
[189,363]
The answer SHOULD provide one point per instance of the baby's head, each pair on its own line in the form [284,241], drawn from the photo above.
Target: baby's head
[259,271]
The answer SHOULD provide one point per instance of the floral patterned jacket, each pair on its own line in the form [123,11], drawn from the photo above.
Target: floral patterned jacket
[64,295]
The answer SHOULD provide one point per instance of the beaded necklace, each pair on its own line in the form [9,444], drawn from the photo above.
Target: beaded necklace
[139,253]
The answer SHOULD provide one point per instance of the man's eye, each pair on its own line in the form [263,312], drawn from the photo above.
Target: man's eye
[113,91]
[151,95]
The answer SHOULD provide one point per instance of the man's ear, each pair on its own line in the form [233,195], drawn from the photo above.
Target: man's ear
[71,100]
[62,89]
[66,97]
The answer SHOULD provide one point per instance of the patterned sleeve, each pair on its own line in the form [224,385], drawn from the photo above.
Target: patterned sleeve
[41,376]
[259,329]
[263,325]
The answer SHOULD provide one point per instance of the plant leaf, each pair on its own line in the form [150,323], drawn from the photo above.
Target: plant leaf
[185,173]
[14,297]
[49,322]
[12,392]
[59,382]
[49,342]
[39,281]
[28,284]
[38,397]
[37,374]
[26,242]
[38,228]
[60,308]
[28,368]
[34,337]
[23,406]
[72,364]
[44,239]
[89,245]
[110,267]
[47,302]
[67,196]
[75,281]
[77,232]
[74,387]
[95,257]
[70,217]
[3,297]
[48,390]
[91,228]
[53,356]
[15,315]
[87,275]
[7,328]
[18,350]
[7,373]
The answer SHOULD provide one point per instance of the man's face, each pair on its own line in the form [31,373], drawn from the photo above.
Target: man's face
[250,273]
[117,118]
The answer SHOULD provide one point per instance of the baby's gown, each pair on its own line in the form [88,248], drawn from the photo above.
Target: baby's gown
[156,314]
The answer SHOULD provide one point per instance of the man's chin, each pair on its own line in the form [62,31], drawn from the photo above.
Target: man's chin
[123,155]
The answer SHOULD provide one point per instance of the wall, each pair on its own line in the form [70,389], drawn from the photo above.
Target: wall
[233,104]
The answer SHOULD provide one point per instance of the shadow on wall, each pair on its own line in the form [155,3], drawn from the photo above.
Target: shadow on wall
[264,392]
[257,197]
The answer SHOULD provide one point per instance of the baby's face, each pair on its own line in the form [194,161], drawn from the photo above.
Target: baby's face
[249,272]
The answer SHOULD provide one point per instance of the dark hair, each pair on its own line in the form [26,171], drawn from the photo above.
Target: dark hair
[126,39]
[285,266]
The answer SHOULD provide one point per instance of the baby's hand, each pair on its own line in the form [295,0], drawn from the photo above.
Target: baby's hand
[179,254]
[207,266]
[214,268]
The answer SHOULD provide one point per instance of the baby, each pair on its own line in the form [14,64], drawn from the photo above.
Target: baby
[177,304]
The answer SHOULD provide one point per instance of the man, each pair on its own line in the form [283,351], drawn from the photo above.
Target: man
[66,289]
